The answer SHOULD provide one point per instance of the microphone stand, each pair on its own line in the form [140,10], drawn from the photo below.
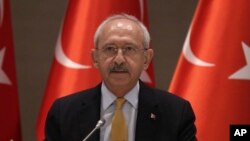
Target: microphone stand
[99,124]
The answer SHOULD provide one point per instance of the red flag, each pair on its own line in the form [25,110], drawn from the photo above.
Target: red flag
[213,72]
[72,68]
[9,105]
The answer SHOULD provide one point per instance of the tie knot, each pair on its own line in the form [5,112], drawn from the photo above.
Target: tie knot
[119,102]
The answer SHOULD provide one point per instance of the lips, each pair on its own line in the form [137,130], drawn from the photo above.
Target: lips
[115,70]
[119,71]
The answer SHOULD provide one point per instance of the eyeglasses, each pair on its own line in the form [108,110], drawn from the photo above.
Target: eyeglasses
[112,51]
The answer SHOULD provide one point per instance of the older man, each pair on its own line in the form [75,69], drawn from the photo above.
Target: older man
[132,111]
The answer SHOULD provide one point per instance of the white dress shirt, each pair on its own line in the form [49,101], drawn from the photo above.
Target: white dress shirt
[129,110]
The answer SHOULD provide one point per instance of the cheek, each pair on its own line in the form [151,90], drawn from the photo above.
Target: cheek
[136,64]
[104,64]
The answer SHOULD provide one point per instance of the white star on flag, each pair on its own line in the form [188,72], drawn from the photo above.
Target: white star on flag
[3,77]
[243,73]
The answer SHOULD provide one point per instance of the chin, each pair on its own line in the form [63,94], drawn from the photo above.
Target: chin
[118,82]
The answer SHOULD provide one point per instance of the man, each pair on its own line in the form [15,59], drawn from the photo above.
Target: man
[121,53]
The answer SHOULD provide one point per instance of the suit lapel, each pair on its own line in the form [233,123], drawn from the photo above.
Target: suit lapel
[147,117]
[90,113]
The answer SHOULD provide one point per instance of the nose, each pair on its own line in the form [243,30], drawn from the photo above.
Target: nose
[119,58]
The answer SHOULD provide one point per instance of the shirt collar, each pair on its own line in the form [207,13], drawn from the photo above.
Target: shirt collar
[108,97]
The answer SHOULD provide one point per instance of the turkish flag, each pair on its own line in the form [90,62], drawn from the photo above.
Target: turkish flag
[213,71]
[72,68]
[9,104]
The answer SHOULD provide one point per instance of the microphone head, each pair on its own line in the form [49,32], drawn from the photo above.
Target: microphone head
[100,123]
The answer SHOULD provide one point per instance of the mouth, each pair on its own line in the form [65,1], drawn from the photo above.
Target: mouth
[118,71]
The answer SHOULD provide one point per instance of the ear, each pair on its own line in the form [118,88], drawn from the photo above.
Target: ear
[149,53]
[94,56]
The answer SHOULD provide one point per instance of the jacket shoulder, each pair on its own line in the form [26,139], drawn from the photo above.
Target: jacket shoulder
[85,95]
[167,96]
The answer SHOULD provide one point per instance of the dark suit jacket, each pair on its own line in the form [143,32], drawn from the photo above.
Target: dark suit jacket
[72,117]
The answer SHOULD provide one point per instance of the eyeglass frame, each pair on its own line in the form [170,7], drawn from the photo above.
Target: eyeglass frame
[113,51]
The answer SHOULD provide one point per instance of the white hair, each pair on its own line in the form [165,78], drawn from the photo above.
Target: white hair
[123,16]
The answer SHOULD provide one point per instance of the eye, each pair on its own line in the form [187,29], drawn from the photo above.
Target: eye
[110,50]
[129,49]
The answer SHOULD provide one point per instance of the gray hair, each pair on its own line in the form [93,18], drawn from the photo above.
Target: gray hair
[123,16]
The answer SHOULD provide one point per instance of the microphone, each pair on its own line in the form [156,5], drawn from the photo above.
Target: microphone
[99,124]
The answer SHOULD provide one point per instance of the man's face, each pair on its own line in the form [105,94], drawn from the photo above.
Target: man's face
[120,55]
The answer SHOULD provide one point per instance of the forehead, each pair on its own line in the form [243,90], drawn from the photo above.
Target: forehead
[122,25]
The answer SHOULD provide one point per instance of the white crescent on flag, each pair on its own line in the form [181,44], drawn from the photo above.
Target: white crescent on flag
[64,60]
[189,55]
[4,79]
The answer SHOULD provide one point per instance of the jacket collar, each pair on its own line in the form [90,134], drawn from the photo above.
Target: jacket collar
[90,112]
[147,117]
